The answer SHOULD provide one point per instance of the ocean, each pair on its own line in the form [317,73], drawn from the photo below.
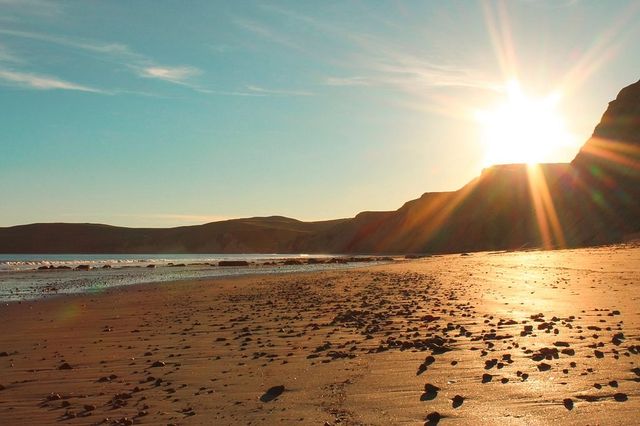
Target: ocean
[29,276]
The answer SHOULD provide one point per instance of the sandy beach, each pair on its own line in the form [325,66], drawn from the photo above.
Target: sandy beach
[532,338]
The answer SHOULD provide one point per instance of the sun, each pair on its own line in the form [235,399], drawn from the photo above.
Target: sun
[523,129]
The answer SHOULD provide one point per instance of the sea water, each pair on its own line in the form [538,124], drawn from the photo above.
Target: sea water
[21,278]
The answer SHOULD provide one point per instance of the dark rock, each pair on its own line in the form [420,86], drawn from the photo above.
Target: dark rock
[457,401]
[568,403]
[65,366]
[433,418]
[272,393]
[233,263]
[617,339]
[158,364]
[620,397]
[544,366]
[430,392]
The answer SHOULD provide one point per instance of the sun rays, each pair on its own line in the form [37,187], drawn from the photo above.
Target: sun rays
[523,129]
[551,232]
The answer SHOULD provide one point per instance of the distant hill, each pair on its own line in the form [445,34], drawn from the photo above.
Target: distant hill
[254,235]
[595,199]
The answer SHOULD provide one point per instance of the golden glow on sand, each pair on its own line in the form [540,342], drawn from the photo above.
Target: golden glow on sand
[523,129]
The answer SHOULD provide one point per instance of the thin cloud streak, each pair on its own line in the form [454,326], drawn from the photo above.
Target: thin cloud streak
[378,62]
[142,65]
[349,81]
[7,56]
[416,78]
[42,82]
[91,46]
[39,8]
[267,33]
[281,92]
[179,75]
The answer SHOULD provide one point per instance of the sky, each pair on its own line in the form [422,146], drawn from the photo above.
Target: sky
[168,113]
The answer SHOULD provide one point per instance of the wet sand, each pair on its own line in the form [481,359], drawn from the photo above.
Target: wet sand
[544,337]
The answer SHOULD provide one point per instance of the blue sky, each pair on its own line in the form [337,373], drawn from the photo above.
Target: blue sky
[164,113]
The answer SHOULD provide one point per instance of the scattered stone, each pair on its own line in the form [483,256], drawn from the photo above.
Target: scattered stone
[433,418]
[568,403]
[620,397]
[430,392]
[233,263]
[544,366]
[272,393]
[457,401]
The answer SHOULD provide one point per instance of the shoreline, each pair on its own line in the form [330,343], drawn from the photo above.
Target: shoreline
[52,280]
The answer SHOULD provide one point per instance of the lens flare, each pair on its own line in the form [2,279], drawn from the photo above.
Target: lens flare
[523,129]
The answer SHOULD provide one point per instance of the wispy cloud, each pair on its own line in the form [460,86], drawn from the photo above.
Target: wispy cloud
[416,78]
[142,65]
[349,81]
[277,92]
[87,45]
[267,33]
[179,75]
[393,65]
[7,55]
[370,61]
[145,67]
[556,4]
[41,82]
[39,8]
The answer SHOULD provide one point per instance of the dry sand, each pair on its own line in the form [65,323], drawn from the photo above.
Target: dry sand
[556,336]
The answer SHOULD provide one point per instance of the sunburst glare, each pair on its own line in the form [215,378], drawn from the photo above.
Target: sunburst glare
[523,129]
